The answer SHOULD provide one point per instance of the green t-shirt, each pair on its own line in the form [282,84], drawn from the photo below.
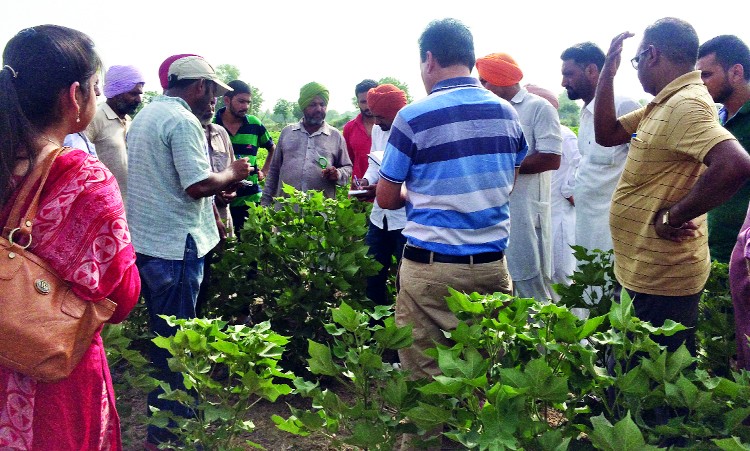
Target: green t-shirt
[251,135]
[725,221]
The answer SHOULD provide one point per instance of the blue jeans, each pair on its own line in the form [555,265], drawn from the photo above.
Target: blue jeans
[383,245]
[169,287]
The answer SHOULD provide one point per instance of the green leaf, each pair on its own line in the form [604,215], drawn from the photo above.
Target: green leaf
[395,392]
[461,303]
[320,361]
[623,436]
[731,444]
[393,337]
[226,347]
[635,382]
[621,313]
[442,385]
[678,361]
[346,317]
[553,441]
[590,326]
[428,417]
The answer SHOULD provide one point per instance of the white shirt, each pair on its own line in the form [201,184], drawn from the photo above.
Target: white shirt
[597,178]
[530,245]
[396,218]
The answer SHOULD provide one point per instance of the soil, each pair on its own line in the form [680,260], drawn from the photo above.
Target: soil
[132,407]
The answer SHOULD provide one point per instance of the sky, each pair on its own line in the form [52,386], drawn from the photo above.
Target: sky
[279,45]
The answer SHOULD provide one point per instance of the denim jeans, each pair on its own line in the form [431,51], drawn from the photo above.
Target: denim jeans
[169,287]
[383,245]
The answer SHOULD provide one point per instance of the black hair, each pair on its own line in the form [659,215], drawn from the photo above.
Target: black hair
[675,39]
[238,87]
[729,50]
[583,54]
[449,41]
[364,86]
[42,63]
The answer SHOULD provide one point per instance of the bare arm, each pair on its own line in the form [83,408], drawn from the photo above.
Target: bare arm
[389,196]
[218,181]
[539,162]
[271,186]
[728,169]
[267,163]
[608,130]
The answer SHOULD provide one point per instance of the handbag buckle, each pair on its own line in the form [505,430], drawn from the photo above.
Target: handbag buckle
[42,286]
[10,239]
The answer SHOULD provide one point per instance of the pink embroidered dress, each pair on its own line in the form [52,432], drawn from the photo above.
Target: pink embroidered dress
[81,231]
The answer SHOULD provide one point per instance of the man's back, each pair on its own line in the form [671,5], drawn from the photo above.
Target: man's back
[456,151]
[107,131]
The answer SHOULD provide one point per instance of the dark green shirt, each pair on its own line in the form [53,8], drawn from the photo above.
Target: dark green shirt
[249,137]
[725,221]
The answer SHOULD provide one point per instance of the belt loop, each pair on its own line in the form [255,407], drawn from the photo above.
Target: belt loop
[471,261]
[432,254]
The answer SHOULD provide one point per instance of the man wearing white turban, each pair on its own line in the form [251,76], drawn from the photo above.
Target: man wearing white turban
[123,88]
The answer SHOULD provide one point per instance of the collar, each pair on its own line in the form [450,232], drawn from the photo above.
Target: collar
[457,82]
[180,100]
[520,96]
[590,106]
[690,78]
[743,111]
[325,129]
[220,121]
[111,115]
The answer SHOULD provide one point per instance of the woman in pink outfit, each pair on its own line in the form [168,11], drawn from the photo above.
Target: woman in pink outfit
[48,88]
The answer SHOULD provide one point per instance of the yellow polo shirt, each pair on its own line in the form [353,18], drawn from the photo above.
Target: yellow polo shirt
[671,136]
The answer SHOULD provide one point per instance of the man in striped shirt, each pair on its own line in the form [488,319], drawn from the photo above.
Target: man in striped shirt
[456,153]
[681,163]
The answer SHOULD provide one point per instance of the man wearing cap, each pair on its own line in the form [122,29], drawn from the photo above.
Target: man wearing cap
[458,169]
[530,248]
[310,154]
[247,134]
[384,235]
[172,219]
[358,131]
[600,166]
[123,88]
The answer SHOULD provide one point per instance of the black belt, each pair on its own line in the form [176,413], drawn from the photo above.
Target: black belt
[420,255]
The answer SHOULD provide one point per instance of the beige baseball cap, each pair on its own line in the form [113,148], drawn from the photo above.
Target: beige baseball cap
[195,68]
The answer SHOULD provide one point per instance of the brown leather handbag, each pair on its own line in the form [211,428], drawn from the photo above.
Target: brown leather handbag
[44,327]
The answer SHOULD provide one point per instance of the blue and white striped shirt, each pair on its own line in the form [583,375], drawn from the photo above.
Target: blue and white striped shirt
[456,150]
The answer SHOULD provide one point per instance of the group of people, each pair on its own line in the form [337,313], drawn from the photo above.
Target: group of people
[471,186]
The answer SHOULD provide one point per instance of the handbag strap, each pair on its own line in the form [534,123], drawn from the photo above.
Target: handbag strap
[23,220]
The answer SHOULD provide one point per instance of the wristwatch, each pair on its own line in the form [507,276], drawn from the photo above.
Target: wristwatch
[665,218]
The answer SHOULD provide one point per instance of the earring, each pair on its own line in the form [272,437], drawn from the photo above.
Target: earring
[78,117]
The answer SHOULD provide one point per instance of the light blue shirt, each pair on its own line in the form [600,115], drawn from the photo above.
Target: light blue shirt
[167,153]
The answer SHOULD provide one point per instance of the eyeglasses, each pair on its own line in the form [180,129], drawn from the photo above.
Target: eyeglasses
[637,59]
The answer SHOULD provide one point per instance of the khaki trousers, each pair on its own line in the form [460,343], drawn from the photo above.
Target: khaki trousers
[421,303]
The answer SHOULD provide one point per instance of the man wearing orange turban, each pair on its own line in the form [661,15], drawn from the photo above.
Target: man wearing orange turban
[384,227]
[529,250]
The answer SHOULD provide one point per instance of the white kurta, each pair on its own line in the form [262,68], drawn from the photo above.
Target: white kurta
[597,178]
[530,244]
[563,212]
